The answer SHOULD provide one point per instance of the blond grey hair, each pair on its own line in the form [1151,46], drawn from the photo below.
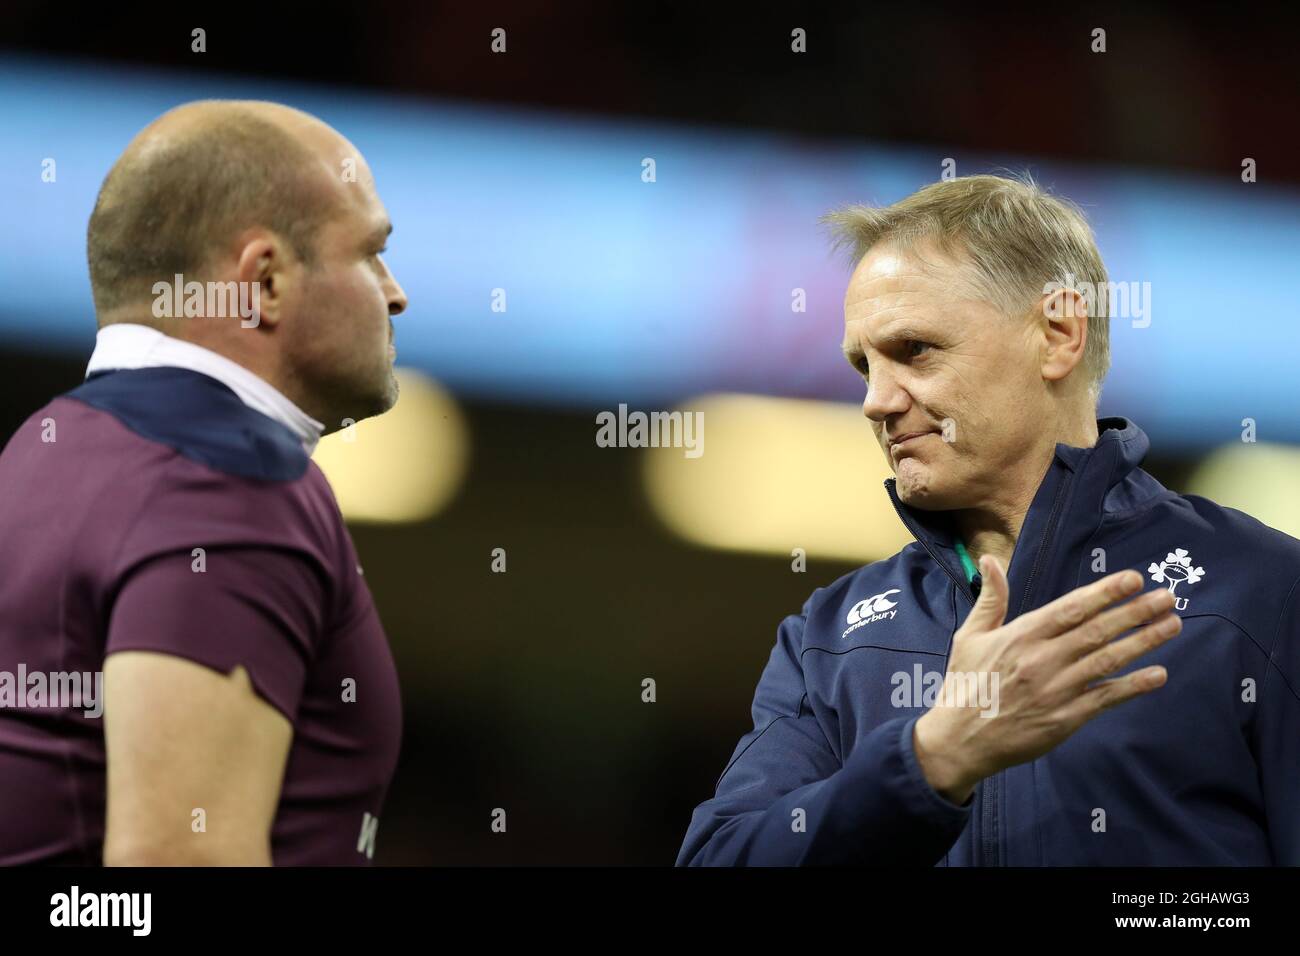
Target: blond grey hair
[1018,240]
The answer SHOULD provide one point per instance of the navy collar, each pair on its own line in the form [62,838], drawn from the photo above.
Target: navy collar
[1072,493]
[198,416]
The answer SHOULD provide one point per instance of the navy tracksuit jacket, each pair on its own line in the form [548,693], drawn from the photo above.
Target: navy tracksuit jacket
[1202,771]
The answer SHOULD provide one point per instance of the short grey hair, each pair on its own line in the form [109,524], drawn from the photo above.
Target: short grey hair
[1018,238]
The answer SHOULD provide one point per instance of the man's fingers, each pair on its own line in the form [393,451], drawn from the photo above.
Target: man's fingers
[990,608]
[1068,612]
[1112,693]
[1119,654]
[1095,634]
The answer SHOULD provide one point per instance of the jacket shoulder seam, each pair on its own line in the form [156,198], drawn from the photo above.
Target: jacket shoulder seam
[768,726]
[1277,636]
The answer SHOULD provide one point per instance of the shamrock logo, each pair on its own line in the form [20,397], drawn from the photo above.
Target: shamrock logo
[1176,568]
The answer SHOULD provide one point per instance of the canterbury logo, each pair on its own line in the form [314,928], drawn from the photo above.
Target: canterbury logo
[876,604]
[875,608]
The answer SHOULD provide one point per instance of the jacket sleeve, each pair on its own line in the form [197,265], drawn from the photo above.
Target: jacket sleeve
[786,798]
[1278,735]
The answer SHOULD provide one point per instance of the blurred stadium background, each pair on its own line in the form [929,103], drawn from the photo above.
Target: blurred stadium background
[522,172]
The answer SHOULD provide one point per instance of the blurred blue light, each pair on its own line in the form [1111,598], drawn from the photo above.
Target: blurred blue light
[619,290]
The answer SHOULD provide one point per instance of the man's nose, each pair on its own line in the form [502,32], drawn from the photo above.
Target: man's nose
[885,397]
[396,294]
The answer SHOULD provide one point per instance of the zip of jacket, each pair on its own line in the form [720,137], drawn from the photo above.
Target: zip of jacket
[987,842]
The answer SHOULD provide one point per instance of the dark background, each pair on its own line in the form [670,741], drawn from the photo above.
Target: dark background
[522,690]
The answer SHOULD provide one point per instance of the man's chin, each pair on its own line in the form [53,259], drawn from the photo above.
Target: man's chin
[390,399]
[384,394]
[913,485]
[374,401]
[912,496]
[382,401]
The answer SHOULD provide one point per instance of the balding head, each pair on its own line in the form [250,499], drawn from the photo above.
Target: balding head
[198,176]
[264,199]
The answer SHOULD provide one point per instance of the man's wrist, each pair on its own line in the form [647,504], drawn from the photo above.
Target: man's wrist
[942,770]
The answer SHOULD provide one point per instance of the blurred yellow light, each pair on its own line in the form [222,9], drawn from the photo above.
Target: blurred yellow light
[778,474]
[1258,478]
[404,465]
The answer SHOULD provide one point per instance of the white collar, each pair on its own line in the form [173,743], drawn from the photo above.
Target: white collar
[125,345]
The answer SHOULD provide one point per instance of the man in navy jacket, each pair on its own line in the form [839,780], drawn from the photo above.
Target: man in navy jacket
[936,709]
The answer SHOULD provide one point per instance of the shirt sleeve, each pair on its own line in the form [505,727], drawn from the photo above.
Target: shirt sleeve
[786,799]
[259,608]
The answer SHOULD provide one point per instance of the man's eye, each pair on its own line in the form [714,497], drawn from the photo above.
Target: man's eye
[916,347]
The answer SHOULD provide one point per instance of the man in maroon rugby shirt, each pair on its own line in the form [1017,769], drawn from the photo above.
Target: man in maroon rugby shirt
[163,522]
